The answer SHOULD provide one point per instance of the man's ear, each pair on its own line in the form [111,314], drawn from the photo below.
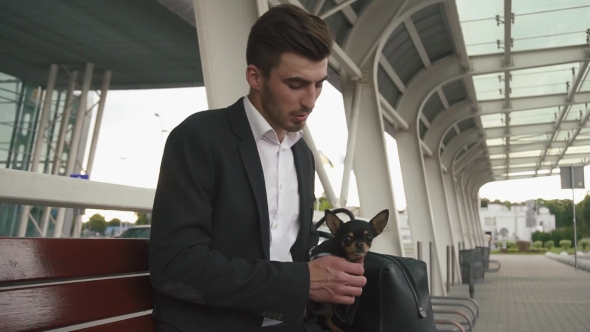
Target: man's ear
[379,221]
[333,222]
[254,77]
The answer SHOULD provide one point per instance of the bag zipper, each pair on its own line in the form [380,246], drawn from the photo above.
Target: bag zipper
[407,275]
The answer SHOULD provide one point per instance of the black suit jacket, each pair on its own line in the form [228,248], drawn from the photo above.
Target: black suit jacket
[210,238]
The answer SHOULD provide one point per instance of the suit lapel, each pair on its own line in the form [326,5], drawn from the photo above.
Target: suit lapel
[303,181]
[251,161]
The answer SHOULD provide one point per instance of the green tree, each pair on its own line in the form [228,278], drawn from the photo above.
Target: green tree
[484,202]
[324,204]
[96,223]
[115,222]
[142,218]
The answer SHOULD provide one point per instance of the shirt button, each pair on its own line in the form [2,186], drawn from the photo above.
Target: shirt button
[275,226]
[281,186]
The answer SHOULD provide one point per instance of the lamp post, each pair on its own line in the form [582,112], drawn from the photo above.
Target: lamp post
[162,131]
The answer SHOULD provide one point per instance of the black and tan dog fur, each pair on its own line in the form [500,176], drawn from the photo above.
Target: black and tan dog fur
[352,241]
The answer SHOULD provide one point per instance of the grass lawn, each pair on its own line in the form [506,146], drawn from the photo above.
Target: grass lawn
[555,250]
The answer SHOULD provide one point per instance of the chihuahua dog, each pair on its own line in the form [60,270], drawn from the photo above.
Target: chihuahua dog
[351,240]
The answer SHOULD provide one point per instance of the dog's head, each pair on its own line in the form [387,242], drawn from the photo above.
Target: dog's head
[356,236]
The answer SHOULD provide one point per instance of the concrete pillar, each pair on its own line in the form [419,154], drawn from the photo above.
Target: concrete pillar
[455,218]
[420,213]
[371,166]
[223,27]
[39,141]
[75,142]
[464,207]
[443,225]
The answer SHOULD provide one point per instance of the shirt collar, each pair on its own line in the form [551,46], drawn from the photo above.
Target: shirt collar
[262,129]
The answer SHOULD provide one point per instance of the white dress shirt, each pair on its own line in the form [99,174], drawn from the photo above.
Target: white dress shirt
[280,177]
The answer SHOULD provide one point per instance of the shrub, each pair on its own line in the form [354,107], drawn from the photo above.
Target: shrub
[565,244]
[541,236]
[537,244]
[549,244]
[523,245]
[510,245]
[584,243]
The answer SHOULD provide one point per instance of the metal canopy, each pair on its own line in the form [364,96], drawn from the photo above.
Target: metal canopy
[534,110]
[143,43]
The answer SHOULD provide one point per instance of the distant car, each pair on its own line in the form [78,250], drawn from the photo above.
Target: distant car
[136,232]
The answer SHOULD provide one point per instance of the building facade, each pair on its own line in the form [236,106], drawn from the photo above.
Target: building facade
[20,111]
[517,222]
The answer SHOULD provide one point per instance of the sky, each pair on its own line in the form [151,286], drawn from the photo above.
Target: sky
[130,146]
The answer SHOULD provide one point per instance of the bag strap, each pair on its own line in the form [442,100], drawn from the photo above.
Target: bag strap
[323,220]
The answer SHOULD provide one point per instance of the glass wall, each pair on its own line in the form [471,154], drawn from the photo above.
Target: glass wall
[20,109]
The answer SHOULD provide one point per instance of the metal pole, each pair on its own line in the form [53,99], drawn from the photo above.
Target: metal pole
[319,168]
[419,250]
[352,131]
[24,218]
[106,81]
[449,267]
[75,142]
[453,264]
[431,257]
[65,119]
[262,6]
[575,234]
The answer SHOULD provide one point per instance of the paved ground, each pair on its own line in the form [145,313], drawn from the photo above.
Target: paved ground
[532,293]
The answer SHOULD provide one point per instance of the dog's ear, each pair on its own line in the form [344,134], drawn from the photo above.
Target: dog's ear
[379,221]
[333,221]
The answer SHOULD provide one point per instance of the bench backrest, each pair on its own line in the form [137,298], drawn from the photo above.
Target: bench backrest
[82,284]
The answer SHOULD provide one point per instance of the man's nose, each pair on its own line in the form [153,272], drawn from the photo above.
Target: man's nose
[309,98]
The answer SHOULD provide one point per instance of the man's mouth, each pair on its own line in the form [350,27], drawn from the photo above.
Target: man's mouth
[301,117]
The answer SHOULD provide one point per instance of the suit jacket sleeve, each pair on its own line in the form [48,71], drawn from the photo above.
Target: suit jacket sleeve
[313,237]
[183,266]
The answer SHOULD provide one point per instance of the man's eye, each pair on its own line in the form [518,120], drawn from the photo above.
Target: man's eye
[295,86]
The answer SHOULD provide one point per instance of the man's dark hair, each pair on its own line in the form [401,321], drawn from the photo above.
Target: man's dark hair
[287,28]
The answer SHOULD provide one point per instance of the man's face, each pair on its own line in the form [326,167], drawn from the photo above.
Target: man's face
[289,94]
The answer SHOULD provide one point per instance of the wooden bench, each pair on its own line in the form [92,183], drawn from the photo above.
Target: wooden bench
[75,285]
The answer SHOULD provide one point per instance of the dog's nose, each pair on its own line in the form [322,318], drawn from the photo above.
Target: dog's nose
[359,245]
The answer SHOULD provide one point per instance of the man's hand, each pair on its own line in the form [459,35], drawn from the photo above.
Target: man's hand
[334,280]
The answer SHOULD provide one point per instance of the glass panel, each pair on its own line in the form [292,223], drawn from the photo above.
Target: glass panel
[528,138]
[543,115]
[495,141]
[533,153]
[554,151]
[549,23]
[492,120]
[488,86]
[586,85]
[542,81]
[579,149]
[576,112]
[521,173]
[498,156]
[584,134]
[479,26]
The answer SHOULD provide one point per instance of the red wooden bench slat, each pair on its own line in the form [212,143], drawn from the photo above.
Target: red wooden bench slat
[142,323]
[28,259]
[47,307]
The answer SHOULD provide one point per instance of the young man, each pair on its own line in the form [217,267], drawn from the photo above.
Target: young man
[232,218]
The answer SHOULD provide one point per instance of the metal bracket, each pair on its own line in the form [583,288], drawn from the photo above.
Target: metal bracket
[511,64]
[365,76]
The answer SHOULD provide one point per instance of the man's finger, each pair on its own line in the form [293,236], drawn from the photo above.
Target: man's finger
[339,299]
[353,268]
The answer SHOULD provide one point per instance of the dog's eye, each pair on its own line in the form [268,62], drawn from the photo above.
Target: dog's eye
[369,238]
